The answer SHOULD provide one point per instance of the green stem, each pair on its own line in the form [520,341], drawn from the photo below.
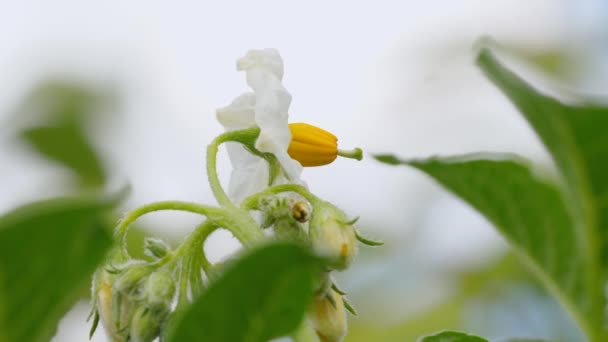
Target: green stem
[201,233]
[182,299]
[195,240]
[246,137]
[252,201]
[213,213]
[355,153]
[214,181]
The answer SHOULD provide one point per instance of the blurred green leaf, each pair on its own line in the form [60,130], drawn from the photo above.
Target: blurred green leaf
[48,252]
[263,295]
[58,112]
[531,214]
[67,145]
[452,336]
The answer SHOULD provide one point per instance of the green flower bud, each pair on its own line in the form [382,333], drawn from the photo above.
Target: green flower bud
[108,302]
[328,317]
[155,248]
[159,290]
[145,325]
[332,236]
[288,229]
[130,279]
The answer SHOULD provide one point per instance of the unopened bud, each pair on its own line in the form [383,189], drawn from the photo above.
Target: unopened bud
[328,317]
[332,236]
[112,320]
[130,279]
[155,248]
[145,325]
[159,290]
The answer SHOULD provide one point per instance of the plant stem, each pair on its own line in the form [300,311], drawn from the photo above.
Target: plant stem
[355,153]
[213,213]
[246,137]
[214,181]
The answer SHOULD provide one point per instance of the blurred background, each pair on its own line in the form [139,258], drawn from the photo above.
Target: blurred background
[98,95]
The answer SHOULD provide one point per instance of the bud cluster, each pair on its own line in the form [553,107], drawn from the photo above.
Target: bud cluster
[133,300]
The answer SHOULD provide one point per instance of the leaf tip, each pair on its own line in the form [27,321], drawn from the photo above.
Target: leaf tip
[387,159]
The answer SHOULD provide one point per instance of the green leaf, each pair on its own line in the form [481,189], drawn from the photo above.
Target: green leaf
[452,336]
[48,251]
[57,112]
[263,295]
[577,138]
[66,144]
[531,214]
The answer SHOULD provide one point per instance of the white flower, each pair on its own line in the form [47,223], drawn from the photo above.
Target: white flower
[266,107]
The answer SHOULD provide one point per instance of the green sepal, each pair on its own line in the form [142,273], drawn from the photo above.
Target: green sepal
[337,289]
[367,241]
[349,222]
[95,323]
[349,307]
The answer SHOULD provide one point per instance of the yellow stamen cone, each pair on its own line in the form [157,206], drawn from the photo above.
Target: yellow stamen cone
[312,146]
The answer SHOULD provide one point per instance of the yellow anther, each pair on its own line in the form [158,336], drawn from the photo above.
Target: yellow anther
[313,146]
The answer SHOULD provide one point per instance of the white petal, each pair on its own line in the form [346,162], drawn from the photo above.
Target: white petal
[268,59]
[266,107]
[239,114]
[264,72]
[248,180]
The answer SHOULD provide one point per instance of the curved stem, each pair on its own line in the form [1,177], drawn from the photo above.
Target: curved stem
[251,202]
[214,181]
[209,211]
[200,234]
[246,137]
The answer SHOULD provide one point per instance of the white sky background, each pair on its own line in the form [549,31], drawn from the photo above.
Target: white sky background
[388,76]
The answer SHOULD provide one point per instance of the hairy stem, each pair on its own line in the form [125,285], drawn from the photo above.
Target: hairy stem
[246,137]
[213,213]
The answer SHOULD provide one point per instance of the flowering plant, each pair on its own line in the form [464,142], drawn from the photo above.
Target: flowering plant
[133,299]
[281,284]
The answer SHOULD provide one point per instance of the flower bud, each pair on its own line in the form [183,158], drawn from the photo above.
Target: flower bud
[145,325]
[332,236]
[159,290]
[155,248]
[130,279]
[106,302]
[328,317]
